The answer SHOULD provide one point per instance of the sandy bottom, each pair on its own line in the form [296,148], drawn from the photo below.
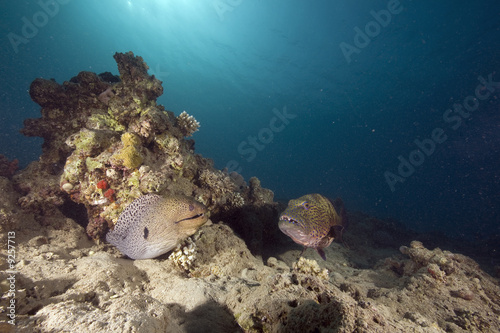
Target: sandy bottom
[63,282]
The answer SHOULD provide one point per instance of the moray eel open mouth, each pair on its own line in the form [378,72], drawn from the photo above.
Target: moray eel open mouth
[288,219]
[293,229]
[313,221]
[191,218]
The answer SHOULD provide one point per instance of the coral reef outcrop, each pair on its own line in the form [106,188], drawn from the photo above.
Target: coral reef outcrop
[104,128]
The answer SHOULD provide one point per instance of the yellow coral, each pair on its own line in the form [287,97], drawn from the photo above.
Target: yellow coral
[130,139]
[130,154]
[130,157]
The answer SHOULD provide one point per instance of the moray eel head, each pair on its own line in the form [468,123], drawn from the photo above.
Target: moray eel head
[152,225]
[313,221]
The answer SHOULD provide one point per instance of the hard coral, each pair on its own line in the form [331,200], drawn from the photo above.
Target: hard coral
[184,255]
[130,155]
[310,266]
[187,124]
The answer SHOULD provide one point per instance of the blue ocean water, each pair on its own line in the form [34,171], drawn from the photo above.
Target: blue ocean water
[340,98]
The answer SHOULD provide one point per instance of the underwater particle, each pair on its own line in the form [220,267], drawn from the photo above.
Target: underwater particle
[187,124]
[102,184]
[152,225]
[312,221]
[110,195]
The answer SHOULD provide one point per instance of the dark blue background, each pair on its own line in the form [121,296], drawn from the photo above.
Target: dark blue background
[231,62]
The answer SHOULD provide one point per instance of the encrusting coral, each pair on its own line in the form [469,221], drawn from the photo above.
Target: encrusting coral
[106,128]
